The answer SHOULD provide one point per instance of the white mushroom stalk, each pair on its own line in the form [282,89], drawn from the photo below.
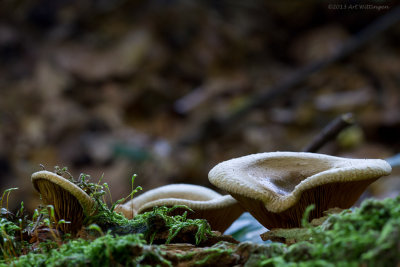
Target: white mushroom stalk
[220,211]
[277,187]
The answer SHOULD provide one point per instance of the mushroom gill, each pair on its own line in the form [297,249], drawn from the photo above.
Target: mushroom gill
[69,201]
[220,211]
[277,187]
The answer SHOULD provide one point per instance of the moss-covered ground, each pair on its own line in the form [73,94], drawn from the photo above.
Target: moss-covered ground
[365,236]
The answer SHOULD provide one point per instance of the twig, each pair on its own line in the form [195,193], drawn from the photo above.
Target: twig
[330,131]
[213,126]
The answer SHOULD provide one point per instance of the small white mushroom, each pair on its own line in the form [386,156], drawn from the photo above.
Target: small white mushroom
[220,211]
[277,187]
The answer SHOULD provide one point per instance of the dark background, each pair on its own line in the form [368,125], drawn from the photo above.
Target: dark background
[114,87]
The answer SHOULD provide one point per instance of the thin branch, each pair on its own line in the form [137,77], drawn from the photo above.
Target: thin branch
[330,132]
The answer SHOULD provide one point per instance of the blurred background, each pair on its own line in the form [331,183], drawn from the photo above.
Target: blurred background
[115,87]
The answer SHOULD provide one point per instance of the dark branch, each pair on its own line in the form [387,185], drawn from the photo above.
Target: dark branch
[330,132]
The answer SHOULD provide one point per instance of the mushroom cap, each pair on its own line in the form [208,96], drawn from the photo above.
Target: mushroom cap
[220,211]
[285,183]
[86,202]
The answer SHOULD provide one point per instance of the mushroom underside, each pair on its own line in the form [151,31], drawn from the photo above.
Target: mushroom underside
[66,206]
[338,194]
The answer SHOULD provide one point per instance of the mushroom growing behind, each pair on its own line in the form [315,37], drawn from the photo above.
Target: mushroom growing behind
[69,201]
[220,211]
[277,187]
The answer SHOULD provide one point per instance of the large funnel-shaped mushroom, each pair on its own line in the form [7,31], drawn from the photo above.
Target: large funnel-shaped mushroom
[70,202]
[277,187]
[220,211]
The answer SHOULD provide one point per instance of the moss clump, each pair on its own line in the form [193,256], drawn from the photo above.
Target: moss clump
[370,235]
[104,251]
[152,224]
[25,240]
[118,246]
[213,256]
[8,244]
[178,222]
[149,223]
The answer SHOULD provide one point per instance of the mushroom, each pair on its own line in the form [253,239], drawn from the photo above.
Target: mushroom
[277,187]
[69,201]
[220,211]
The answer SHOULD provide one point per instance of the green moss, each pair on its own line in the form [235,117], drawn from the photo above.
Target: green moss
[213,252]
[369,235]
[260,253]
[176,223]
[146,223]
[151,223]
[7,229]
[103,251]
[8,245]
[212,256]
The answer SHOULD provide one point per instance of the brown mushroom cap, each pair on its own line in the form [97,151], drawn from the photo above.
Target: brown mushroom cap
[220,211]
[277,187]
[69,201]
